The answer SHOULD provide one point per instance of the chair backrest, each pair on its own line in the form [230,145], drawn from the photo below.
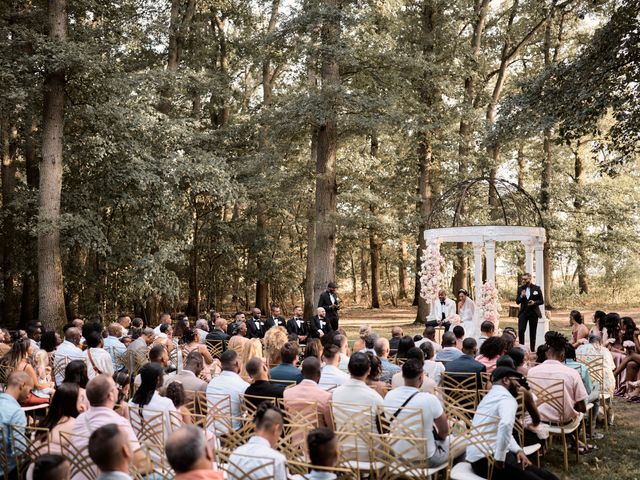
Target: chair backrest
[5,371]
[595,366]
[218,413]
[4,455]
[216,347]
[247,467]
[25,448]
[250,403]
[300,411]
[464,380]
[234,438]
[82,467]
[149,426]
[551,398]
[303,469]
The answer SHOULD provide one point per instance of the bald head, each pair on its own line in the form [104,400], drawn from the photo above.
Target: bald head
[381,347]
[72,335]
[115,330]
[19,385]
[311,369]
[396,332]
[321,312]
[221,324]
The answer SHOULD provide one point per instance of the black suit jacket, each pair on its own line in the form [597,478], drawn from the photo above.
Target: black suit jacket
[216,334]
[292,327]
[315,326]
[325,302]
[264,388]
[535,294]
[253,330]
[275,321]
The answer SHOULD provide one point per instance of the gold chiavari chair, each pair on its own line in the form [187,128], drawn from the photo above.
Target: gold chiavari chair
[519,428]
[149,427]
[463,434]
[233,439]
[595,366]
[285,383]
[196,401]
[292,442]
[5,371]
[551,396]
[216,347]
[303,469]
[219,413]
[301,412]
[249,404]
[4,455]
[78,455]
[157,467]
[247,467]
[26,448]
[59,365]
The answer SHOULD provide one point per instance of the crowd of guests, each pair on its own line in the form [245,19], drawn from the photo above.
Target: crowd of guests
[86,376]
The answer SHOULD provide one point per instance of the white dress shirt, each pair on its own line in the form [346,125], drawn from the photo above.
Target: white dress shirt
[115,347]
[158,404]
[332,376]
[101,359]
[202,334]
[433,370]
[431,409]
[65,353]
[250,456]
[497,403]
[436,346]
[227,383]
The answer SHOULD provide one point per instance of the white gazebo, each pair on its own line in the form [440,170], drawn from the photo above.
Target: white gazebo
[511,205]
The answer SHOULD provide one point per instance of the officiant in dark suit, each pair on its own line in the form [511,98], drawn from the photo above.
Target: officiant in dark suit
[331,304]
[529,297]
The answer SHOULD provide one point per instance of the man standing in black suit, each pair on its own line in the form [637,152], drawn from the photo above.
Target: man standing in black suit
[331,304]
[529,297]
[320,324]
[275,320]
[255,325]
[297,325]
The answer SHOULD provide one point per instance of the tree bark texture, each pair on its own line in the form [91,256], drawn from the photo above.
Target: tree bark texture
[375,244]
[8,136]
[50,277]
[582,258]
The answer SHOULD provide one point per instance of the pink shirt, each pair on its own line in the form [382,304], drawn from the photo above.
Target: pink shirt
[489,363]
[309,391]
[96,417]
[549,372]
[200,475]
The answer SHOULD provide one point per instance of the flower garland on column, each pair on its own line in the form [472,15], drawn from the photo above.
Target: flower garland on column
[431,277]
[490,303]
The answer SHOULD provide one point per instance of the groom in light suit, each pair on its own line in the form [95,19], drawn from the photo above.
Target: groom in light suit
[442,310]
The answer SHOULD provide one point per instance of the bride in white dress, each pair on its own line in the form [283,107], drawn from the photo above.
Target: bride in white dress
[466,311]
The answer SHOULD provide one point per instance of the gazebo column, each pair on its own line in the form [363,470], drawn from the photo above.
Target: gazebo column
[528,257]
[477,270]
[490,252]
[543,323]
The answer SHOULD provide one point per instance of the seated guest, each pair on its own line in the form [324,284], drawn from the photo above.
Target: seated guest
[274,340]
[331,375]
[313,348]
[18,359]
[579,331]
[406,343]
[369,343]
[191,343]
[433,416]
[51,466]
[202,328]
[594,347]
[238,340]
[228,383]
[322,445]
[552,370]
[300,396]
[18,389]
[388,369]
[110,450]
[175,392]
[76,372]
[429,335]
[428,384]
[61,416]
[363,332]
[219,332]
[449,351]
[487,330]
[458,331]
[593,392]
[518,357]
[510,461]
[320,325]
[432,369]
[158,355]
[373,379]
[287,370]
[260,384]
[165,319]
[103,394]
[141,344]
[396,335]
[350,398]
[298,325]
[252,348]
[114,346]
[269,422]
[66,352]
[190,455]
[98,360]
[490,351]
[342,343]
[190,376]
[466,363]
[147,402]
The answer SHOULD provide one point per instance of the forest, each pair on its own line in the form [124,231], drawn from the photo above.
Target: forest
[188,155]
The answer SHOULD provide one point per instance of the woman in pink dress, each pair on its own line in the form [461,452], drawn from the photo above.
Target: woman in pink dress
[490,351]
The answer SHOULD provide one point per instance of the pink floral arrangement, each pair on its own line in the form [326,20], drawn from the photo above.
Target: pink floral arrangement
[454,319]
[431,278]
[490,303]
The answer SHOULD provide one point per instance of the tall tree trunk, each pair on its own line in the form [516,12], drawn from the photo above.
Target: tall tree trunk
[354,279]
[29,301]
[193,305]
[375,244]
[402,271]
[50,279]
[581,267]
[326,185]
[364,270]
[8,136]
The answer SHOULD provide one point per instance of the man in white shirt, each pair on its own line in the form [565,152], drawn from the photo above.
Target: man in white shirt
[500,403]
[97,358]
[230,384]
[125,322]
[356,406]
[114,346]
[165,319]
[404,401]
[429,335]
[442,311]
[66,352]
[449,350]
[331,375]
[260,447]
